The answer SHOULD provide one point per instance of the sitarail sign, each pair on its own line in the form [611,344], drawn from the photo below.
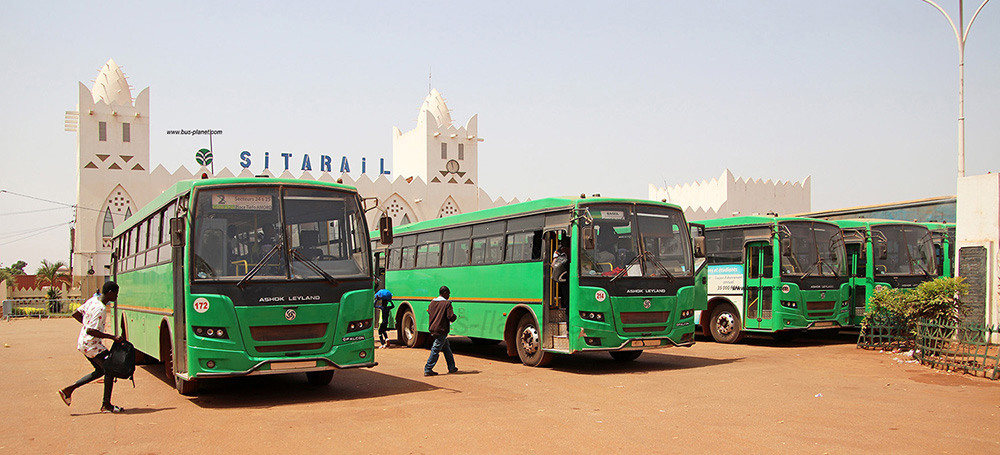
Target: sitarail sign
[324,164]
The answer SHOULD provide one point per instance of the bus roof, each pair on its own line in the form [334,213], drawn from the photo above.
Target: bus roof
[186,186]
[521,208]
[869,222]
[751,220]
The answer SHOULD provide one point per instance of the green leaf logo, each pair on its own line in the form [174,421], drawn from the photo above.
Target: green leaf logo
[203,157]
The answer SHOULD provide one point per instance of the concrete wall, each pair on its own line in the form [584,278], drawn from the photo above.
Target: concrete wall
[978,232]
[729,195]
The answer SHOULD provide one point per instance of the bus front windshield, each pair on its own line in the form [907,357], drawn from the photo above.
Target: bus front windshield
[812,249]
[637,240]
[903,250]
[284,233]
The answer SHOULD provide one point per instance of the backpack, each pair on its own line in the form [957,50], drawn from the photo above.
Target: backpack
[121,361]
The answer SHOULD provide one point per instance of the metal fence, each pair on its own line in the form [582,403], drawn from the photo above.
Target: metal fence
[39,307]
[959,347]
[885,333]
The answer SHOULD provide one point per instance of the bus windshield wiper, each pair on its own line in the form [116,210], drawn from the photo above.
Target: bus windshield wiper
[818,265]
[922,269]
[624,270]
[659,265]
[314,267]
[260,265]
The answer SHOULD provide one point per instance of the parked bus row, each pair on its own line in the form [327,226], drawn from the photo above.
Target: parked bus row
[236,277]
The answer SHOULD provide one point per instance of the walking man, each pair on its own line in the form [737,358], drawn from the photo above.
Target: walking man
[383,303]
[441,317]
[92,315]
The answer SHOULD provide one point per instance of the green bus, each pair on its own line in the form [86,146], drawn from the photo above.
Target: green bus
[555,275]
[777,275]
[247,276]
[885,254]
[945,246]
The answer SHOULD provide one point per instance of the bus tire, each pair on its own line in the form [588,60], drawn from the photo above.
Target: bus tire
[184,387]
[320,378]
[529,343]
[409,336]
[725,324]
[483,341]
[625,356]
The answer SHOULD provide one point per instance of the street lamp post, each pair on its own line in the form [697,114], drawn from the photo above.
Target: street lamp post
[962,34]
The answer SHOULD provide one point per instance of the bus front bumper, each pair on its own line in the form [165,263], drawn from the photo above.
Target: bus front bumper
[297,365]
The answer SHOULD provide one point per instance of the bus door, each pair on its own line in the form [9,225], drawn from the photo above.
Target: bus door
[759,268]
[556,251]
[178,242]
[857,262]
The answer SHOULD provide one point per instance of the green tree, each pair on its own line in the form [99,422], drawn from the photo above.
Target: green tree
[48,274]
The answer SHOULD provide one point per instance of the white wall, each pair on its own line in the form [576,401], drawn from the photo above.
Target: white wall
[978,224]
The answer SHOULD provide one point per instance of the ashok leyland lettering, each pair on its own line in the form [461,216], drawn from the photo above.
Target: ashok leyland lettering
[778,275]
[558,275]
[233,277]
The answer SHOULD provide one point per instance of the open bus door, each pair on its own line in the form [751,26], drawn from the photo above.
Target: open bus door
[556,277]
[857,262]
[759,264]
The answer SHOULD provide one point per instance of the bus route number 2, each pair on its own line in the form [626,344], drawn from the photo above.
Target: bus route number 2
[201,305]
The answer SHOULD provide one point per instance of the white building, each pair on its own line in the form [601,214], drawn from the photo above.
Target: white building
[730,195]
[437,169]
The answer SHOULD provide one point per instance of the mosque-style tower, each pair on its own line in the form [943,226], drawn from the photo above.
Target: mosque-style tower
[437,151]
[112,137]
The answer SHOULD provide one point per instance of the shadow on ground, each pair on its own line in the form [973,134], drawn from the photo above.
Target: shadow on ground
[284,389]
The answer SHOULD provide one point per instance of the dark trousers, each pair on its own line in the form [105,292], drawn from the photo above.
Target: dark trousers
[109,381]
[383,325]
[440,346]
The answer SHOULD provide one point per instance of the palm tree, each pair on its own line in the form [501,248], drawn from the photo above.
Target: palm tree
[48,273]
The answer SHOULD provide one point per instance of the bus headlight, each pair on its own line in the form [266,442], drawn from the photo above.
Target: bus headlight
[211,332]
[592,316]
[687,314]
[790,304]
[354,326]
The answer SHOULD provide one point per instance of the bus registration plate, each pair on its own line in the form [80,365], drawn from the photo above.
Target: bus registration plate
[823,324]
[293,365]
[645,343]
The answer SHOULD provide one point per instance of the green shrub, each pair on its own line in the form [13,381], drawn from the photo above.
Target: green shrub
[931,300]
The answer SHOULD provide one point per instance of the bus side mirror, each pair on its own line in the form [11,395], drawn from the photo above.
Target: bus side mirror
[385,230]
[177,232]
[589,242]
[699,246]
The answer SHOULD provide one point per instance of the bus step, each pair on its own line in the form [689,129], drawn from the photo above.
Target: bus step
[557,316]
[560,342]
[557,329]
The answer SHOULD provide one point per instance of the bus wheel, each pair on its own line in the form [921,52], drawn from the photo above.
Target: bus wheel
[320,378]
[185,387]
[408,333]
[529,343]
[725,325]
[625,356]
[483,341]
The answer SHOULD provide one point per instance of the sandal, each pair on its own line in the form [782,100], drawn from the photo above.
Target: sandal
[66,398]
[112,409]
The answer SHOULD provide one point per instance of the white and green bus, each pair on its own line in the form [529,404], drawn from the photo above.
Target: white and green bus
[556,275]
[886,254]
[247,276]
[776,275]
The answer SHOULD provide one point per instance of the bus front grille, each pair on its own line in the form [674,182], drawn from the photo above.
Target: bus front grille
[290,347]
[644,317]
[644,329]
[287,332]
[821,306]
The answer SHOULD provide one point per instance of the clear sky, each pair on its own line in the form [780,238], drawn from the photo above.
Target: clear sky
[573,97]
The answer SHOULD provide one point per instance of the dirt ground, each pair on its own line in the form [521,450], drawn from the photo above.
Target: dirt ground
[819,395]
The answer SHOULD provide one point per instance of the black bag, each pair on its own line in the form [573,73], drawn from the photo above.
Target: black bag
[121,361]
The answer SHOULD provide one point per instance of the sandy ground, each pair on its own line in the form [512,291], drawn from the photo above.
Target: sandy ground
[820,395]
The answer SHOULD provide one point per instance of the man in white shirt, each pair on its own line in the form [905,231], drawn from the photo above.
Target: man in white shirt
[93,315]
